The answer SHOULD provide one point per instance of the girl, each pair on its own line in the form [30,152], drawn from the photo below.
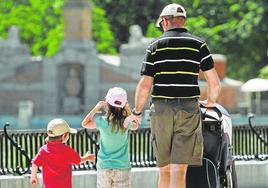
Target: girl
[113,166]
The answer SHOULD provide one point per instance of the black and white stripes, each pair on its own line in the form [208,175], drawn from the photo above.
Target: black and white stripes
[174,60]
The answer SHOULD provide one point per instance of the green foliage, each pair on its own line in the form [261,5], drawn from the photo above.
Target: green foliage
[264,72]
[124,13]
[54,39]
[41,25]
[235,28]
[152,31]
[102,33]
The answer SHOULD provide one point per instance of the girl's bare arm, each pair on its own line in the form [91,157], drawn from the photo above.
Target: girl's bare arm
[88,121]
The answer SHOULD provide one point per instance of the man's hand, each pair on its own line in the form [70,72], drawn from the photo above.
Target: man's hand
[206,103]
[138,118]
[213,87]
[132,122]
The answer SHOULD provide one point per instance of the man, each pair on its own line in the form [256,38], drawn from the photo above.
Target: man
[170,68]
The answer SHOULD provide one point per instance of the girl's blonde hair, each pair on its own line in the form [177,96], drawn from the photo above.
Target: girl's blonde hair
[116,117]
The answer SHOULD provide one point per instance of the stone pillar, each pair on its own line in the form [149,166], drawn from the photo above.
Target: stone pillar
[12,53]
[25,113]
[77,20]
[71,90]
[50,87]
[72,98]
[92,83]
[132,53]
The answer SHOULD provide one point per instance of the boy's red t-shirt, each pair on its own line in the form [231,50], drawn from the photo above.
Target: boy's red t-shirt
[56,160]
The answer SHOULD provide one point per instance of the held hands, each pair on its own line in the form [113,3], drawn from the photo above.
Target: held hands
[132,122]
[136,116]
[89,156]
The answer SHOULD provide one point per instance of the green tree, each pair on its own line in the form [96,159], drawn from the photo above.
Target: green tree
[38,22]
[102,33]
[236,28]
[152,31]
[264,72]
[124,13]
[41,25]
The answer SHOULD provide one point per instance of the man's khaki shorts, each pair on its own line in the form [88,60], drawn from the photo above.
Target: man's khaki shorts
[176,131]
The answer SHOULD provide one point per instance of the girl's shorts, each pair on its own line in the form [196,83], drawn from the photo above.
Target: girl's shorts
[113,178]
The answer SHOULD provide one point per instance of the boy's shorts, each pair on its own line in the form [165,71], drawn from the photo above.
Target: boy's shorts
[113,178]
[176,131]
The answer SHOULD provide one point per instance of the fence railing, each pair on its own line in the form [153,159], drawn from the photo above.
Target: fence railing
[246,146]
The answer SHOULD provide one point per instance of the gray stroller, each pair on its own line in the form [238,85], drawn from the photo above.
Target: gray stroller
[218,169]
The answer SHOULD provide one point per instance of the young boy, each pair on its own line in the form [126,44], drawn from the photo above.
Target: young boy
[56,158]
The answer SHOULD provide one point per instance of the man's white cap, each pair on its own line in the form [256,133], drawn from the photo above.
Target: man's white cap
[57,127]
[174,10]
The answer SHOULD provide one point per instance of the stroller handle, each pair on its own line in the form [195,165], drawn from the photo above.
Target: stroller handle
[215,109]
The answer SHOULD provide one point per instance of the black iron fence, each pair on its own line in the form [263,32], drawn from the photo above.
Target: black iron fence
[14,157]
[247,145]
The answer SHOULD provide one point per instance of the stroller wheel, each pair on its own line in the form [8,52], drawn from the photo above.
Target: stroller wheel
[234,176]
[229,179]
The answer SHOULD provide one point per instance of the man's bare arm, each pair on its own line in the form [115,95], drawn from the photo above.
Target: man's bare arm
[143,91]
[213,88]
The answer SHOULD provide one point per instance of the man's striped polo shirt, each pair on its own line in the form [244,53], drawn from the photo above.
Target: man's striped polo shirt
[174,60]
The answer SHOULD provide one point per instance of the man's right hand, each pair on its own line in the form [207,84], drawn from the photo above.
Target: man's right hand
[132,122]
[137,118]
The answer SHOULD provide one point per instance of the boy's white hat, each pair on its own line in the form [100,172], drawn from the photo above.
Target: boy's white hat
[57,127]
[116,97]
[174,10]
